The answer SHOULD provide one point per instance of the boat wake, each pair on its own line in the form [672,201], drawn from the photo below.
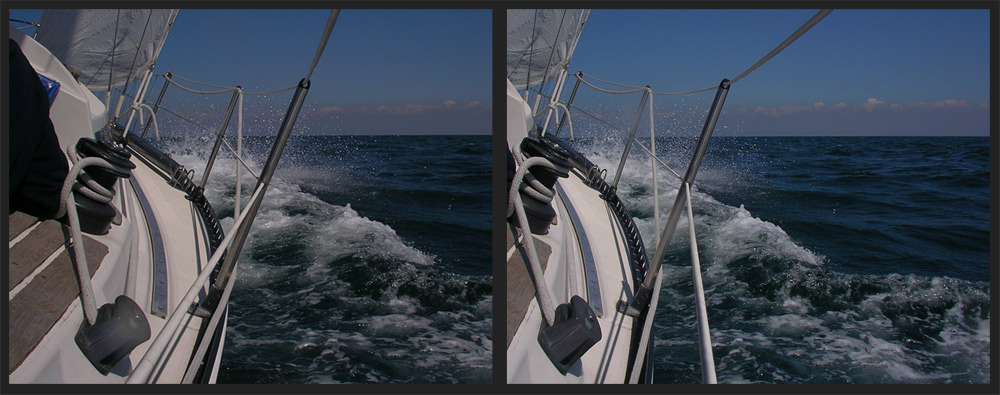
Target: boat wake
[779,312]
[324,294]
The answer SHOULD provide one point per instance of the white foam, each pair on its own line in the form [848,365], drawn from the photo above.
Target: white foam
[740,235]
[348,233]
[806,316]
[389,326]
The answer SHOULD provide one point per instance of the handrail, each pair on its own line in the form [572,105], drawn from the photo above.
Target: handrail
[704,337]
[144,369]
[644,293]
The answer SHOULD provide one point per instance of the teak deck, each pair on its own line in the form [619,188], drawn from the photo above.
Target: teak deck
[47,295]
[520,287]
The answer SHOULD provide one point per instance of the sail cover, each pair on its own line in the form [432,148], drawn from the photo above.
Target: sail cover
[540,43]
[88,40]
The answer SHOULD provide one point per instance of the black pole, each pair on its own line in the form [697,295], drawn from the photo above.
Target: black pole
[265,178]
[218,137]
[645,291]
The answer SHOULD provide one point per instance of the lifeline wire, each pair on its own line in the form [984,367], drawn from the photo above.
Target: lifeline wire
[223,88]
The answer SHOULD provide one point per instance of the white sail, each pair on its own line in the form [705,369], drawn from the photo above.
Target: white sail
[540,43]
[86,41]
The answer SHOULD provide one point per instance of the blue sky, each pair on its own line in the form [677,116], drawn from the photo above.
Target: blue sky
[383,71]
[881,72]
[858,72]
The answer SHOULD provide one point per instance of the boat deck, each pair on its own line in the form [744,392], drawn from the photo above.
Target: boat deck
[520,286]
[567,274]
[45,309]
[42,280]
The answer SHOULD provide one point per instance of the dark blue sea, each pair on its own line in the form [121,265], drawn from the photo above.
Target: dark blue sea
[369,261]
[825,259]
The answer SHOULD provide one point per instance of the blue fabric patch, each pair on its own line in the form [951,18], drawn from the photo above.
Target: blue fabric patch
[51,87]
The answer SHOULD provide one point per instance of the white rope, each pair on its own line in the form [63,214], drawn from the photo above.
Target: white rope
[174,83]
[704,337]
[611,91]
[537,190]
[224,89]
[138,107]
[569,119]
[82,270]
[545,298]
[580,73]
[152,119]
[198,82]
[67,206]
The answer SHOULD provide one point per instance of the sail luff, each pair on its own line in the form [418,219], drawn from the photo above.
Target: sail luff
[84,40]
[540,43]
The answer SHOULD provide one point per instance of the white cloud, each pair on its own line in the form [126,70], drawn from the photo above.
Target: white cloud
[872,104]
[951,103]
[406,109]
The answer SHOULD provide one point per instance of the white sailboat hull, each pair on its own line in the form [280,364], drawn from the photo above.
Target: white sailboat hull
[584,225]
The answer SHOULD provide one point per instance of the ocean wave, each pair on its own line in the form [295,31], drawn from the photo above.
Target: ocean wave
[325,294]
[780,311]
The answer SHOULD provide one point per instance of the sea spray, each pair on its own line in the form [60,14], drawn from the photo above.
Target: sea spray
[363,265]
[807,251]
